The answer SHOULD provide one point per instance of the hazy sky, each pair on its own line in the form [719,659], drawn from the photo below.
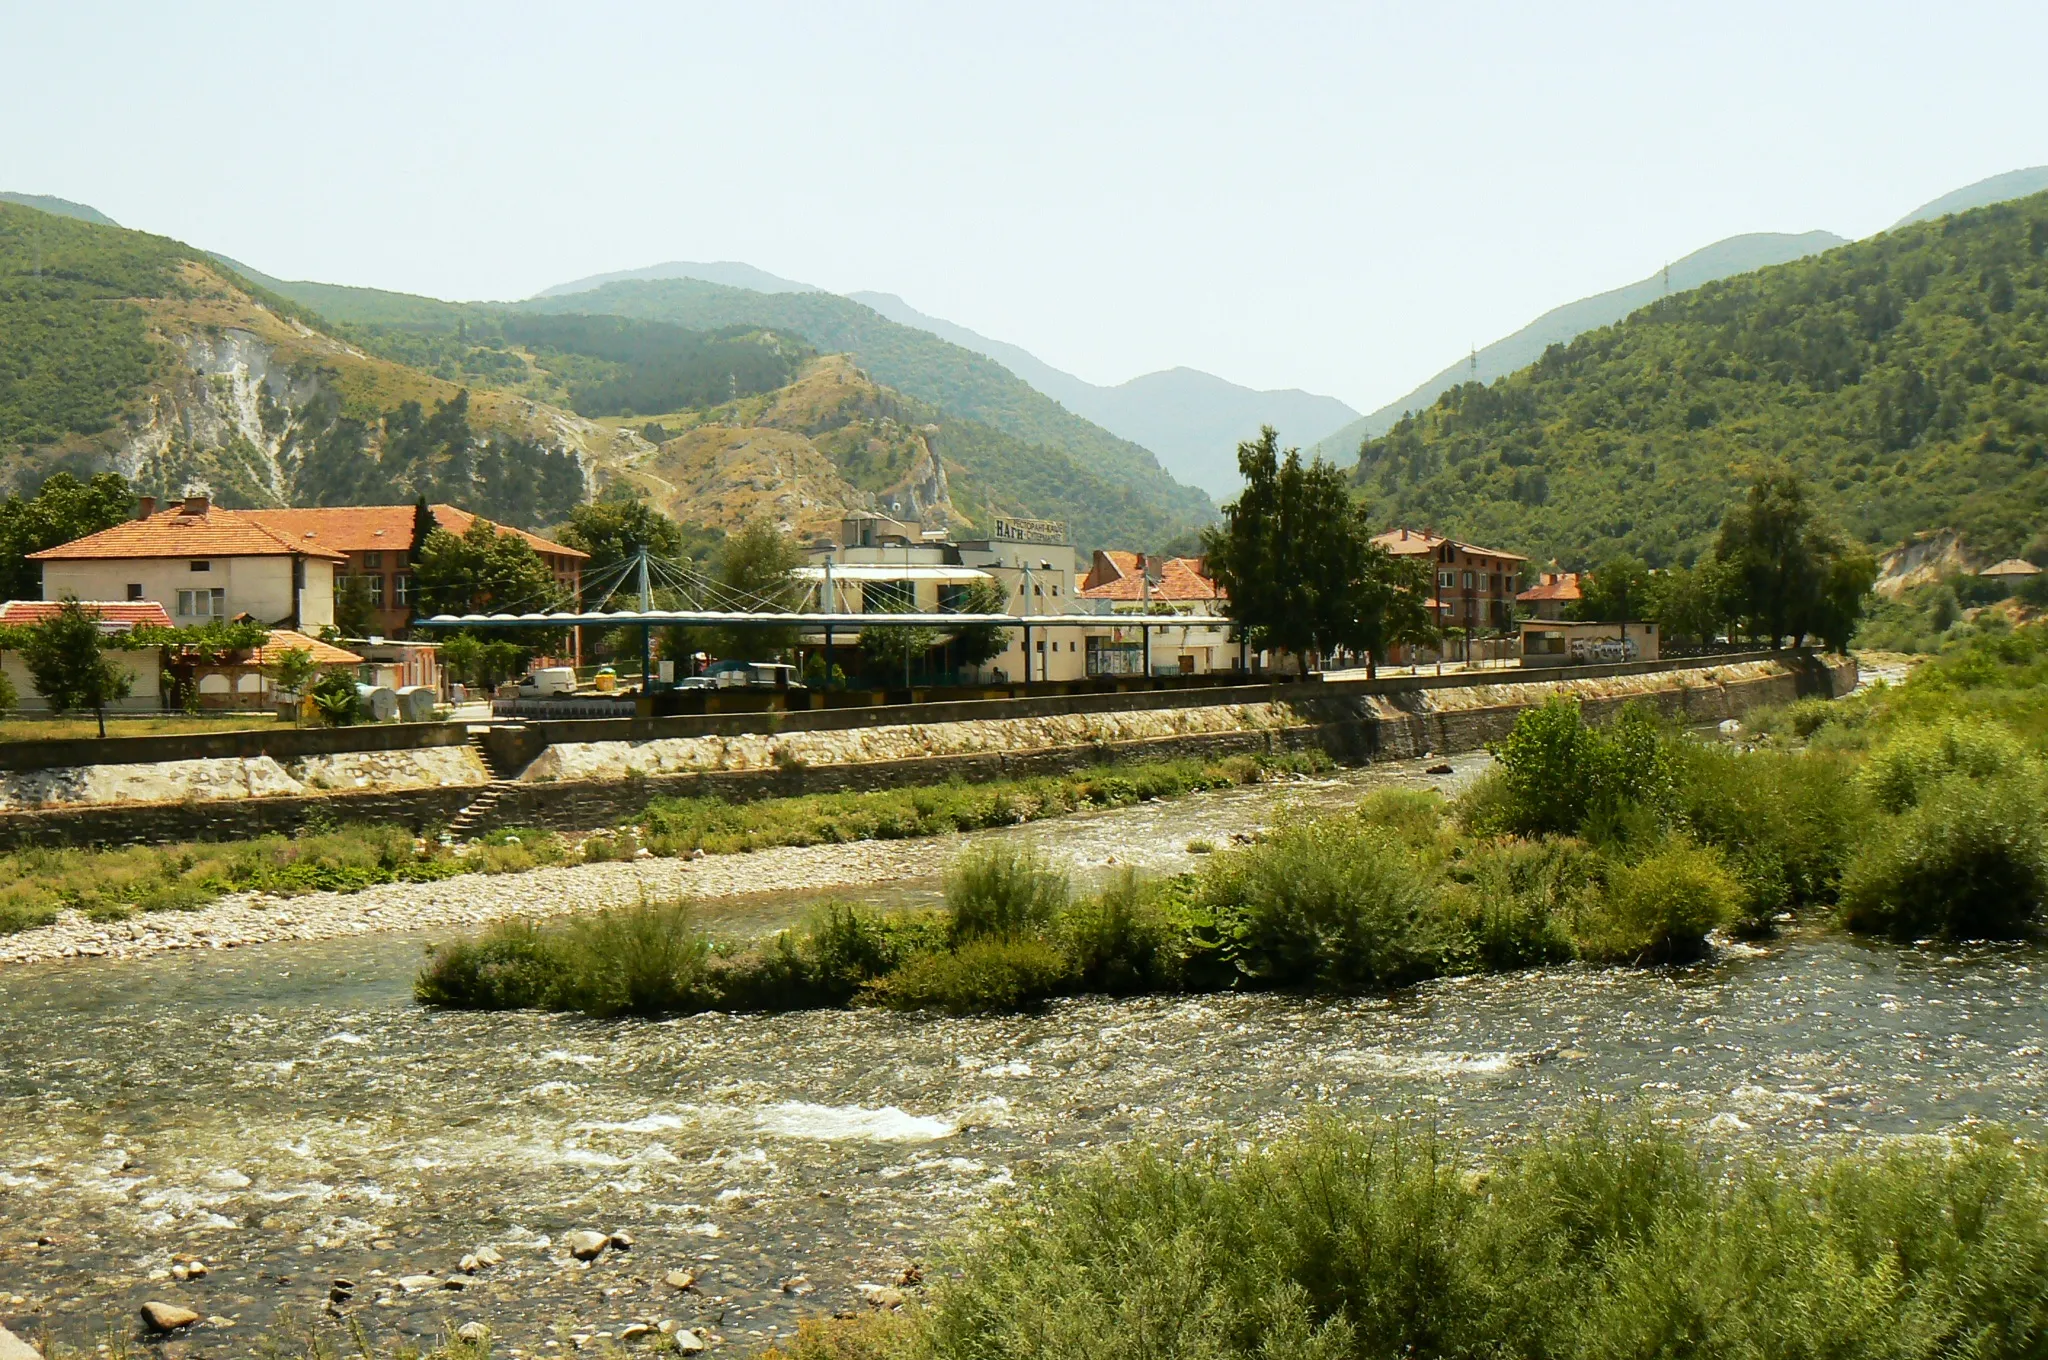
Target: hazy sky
[1339,198]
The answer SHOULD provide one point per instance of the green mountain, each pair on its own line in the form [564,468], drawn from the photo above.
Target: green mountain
[1012,449]
[1736,255]
[135,353]
[1906,377]
[913,362]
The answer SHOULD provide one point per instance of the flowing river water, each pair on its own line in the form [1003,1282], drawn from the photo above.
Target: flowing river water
[288,1115]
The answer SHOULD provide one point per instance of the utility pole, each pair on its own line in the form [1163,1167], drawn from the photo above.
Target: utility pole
[646,629]
[1025,610]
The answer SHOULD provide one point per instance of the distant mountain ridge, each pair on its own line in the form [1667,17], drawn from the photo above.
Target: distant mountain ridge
[1996,189]
[728,273]
[1192,420]
[62,207]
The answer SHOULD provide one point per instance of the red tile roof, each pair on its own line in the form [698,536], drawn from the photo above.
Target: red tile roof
[1415,543]
[370,528]
[116,616]
[282,640]
[458,521]
[213,532]
[1555,585]
[1180,578]
[344,528]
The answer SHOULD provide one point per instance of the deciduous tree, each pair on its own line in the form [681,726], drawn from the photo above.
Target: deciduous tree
[1295,555]
[67,661]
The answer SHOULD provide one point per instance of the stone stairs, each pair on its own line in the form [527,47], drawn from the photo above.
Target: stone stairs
[473,818]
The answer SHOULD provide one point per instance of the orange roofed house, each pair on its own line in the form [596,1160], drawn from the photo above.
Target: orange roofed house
[376,543]
[1137,585]
[201,563]
[1553,593]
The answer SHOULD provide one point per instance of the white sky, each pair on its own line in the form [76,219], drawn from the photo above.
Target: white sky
[1339,198]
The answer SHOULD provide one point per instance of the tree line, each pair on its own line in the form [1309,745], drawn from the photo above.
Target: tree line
[1295,555]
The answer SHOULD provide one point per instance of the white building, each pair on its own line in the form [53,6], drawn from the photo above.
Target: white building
[200,563]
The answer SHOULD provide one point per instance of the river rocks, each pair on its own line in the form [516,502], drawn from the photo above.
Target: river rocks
[681,1279]
[475,1333]
[690,1343]
[797,1284]
[635,1332]
[13,1347]
[469,1265]
[585,1245]
[418,1284]
[164,1318]
[476,900]
[882,1295]
[622,1241]
[488,1256]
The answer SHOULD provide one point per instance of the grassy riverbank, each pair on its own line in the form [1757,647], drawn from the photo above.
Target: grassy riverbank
[36,885]
[1908,812]
[1353,1241]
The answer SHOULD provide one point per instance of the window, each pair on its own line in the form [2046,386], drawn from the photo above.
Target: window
[398,559]
[1447,580]
[1468,580]
[374,558]
[376,584]
[202,604]
[202,565]
[134,592]
[401,590]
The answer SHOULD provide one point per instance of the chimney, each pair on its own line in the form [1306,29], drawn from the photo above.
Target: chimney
[145,506]
[196,502]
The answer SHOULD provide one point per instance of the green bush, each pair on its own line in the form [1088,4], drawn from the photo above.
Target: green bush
[1966,862]
[1660,908]
[1120,942]
[990,975]
[645,960]
[1003,891]
[1520,899]
[514,966]
[1785,822]
[1557,774]
[1329,905]
[1606,1244]
[829,961]
[1917,758]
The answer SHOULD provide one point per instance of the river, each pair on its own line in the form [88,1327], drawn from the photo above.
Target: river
[286,1113]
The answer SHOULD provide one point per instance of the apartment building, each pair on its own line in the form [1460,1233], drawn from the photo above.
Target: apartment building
[1472,588]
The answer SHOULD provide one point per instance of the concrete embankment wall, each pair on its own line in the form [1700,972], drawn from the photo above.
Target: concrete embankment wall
[578,776]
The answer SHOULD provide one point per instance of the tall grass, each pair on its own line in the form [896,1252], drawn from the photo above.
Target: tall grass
[682,825]
[1358,1241]
[646,960]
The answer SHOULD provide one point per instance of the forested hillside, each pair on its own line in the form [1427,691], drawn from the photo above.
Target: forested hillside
[121,351]
[914,362]
[1903,376]
[602,353]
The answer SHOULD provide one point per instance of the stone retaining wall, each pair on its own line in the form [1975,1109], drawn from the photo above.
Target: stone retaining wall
[1354,724]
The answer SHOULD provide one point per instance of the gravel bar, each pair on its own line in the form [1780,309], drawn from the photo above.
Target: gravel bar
[477,899]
